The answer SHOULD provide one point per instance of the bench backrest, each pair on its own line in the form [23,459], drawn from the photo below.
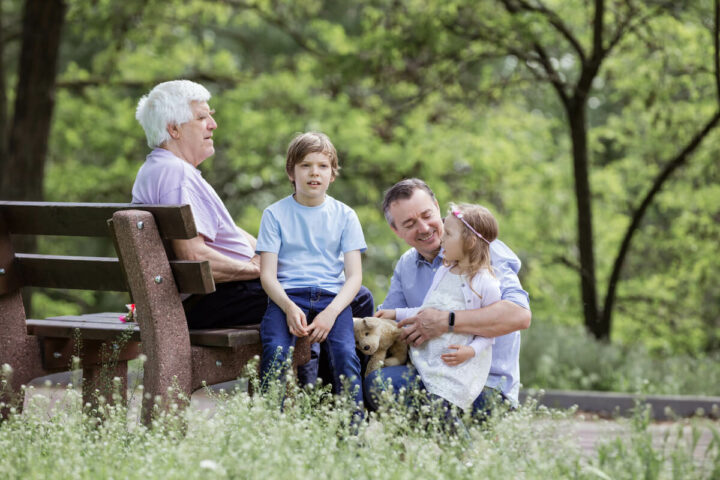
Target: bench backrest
[19,270]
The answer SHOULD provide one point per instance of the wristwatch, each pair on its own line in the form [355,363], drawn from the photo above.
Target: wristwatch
[451,322]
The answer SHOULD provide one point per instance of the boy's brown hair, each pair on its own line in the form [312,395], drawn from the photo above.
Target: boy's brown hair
[306,143]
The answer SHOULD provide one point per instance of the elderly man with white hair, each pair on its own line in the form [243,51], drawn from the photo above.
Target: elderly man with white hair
[179,126]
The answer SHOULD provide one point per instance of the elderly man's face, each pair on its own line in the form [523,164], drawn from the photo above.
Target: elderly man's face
[417,221]
[195,137]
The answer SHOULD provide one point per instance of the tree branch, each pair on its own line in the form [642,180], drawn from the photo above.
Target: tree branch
[590,68]
[671,166]
[281,23]
[628,26]
[598,31]
[543,58]
[552,75]
[555,20]
[568,263]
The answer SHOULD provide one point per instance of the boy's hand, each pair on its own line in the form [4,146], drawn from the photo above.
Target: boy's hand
[461,354]
[296,321]
[389,314]
[321,326]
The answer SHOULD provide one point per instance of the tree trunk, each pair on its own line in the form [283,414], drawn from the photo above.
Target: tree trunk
[23,168]
[576,112]
[3,96]
[22,172]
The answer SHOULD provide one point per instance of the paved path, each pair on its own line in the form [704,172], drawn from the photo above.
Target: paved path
[592,433]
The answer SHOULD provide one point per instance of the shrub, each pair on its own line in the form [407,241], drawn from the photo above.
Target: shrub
[568,358]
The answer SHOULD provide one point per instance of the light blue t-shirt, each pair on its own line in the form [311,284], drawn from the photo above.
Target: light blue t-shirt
[310,241]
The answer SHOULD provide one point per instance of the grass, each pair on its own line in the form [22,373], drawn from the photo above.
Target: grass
[567,358]
[313,436]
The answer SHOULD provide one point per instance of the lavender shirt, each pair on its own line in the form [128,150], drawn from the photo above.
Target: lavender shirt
[168,180]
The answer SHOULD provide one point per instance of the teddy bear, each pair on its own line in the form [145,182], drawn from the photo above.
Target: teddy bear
[380,339]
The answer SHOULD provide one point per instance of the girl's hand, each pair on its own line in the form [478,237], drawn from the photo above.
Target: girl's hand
[461,354]
[389,314]
[296,321]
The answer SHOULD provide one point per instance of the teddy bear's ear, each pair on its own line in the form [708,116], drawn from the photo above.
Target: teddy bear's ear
[368,323]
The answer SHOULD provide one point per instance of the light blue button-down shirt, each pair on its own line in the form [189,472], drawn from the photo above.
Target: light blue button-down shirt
[412,278]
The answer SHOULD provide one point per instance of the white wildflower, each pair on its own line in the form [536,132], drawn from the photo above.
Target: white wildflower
[212,466]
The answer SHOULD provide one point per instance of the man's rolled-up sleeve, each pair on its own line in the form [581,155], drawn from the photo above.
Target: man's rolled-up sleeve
[510,287]
[506,266]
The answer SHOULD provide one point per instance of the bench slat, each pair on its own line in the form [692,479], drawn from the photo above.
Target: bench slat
[89,219]
[102,273]
[107,326]
[65,328]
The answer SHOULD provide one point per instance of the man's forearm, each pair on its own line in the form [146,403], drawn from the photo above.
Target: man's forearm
[495,320]
[229,270]
[224,269]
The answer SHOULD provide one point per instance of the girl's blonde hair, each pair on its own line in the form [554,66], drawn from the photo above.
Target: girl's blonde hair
[476,249]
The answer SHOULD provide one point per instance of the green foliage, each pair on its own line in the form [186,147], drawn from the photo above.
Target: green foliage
[568,358]
[402,90]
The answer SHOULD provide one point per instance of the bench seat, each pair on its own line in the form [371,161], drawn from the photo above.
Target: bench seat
[107,326]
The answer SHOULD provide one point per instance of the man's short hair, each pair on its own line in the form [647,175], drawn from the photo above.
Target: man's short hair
[403,190]
[168,103]
[310,142]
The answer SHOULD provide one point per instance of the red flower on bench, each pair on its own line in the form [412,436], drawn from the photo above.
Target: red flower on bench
[130,317]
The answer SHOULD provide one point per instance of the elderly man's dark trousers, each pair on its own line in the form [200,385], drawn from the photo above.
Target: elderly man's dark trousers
[231,304]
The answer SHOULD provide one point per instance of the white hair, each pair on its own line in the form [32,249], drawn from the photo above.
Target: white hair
[168,103]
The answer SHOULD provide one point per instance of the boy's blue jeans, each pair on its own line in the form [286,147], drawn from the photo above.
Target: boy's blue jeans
[340,341]
[319,364]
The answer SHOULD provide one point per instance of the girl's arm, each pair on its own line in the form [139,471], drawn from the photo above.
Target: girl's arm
[294,316]
[403,313]
[325,320]
[463,353]
[481,343]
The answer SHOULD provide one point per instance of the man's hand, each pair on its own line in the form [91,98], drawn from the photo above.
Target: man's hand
[321,326]
[428,323]
[389,314]
[462,353]
[296,321]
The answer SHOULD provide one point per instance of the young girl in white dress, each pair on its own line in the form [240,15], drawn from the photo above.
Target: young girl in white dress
[455,366]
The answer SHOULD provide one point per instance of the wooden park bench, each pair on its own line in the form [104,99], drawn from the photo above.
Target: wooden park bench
[144,267]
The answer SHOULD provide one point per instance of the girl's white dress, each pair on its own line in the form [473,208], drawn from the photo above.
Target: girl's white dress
[459,384]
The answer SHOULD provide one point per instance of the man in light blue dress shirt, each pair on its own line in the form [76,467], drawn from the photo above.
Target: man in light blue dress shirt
[413,213]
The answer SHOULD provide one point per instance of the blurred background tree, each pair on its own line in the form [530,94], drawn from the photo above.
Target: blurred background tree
[559,116]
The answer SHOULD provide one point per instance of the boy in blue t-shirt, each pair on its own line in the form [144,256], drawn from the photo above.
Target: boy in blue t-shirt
[309,246]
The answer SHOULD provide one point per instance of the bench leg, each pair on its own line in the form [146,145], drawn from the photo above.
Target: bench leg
[24,358]
[99,380]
